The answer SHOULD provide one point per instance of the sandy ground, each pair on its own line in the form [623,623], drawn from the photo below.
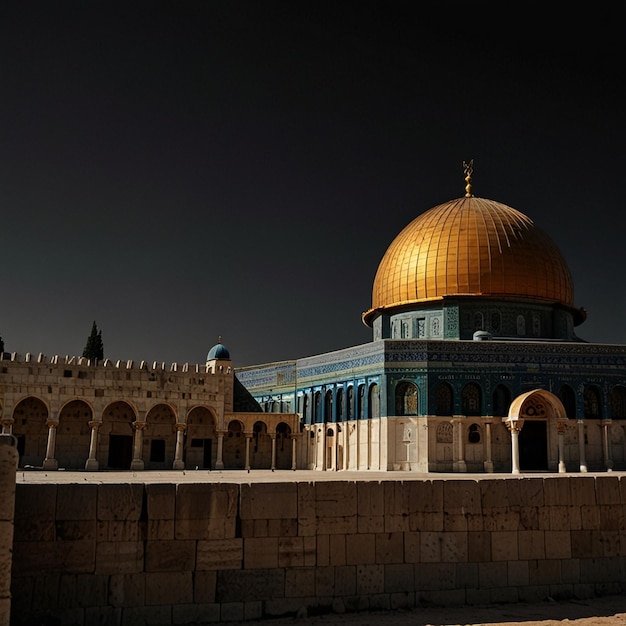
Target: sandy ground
[607,611]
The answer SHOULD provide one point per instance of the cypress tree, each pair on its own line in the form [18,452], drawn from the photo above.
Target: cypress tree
[94,350]
[1,346]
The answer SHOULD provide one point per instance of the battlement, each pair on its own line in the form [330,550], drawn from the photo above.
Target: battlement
[81,361]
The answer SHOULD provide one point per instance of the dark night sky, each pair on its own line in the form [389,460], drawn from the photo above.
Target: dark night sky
[183,170]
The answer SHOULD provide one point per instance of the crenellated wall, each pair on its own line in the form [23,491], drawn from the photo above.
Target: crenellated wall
[216,552]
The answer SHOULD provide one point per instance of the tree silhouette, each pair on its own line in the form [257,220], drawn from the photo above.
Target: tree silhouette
[1,346]
[94,350]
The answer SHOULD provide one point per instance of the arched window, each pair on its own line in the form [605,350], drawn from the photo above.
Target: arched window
[339,401]
[317,407]
[471,399]
[374,402]
[501,400]
[328,406]
[496,322]
[361,402]
[479,321]
[618,403]
[568,399]
[350,403]
[521,325]
[473,434]
[593,406]
[443,399]
[406,399]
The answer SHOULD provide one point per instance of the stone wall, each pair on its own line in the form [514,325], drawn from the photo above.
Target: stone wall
[215,552]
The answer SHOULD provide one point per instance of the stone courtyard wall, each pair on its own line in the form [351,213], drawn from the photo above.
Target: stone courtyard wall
[166,553]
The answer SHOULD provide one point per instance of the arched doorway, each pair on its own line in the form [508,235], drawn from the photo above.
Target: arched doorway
[537,412]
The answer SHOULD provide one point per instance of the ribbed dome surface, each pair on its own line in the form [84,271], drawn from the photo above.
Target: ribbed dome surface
[471,246]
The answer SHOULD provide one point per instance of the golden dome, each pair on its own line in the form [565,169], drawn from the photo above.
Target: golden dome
[470,247]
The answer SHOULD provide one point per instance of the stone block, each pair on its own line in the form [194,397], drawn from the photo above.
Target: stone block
[337,554]
[114,530]
[399,578]
[529,517]
[504,546]
[218,554]
[462,498]
[169,588]
[370,579]
[290,551]
[83,590]
[454,547]
[583,491]
[607,490]
[170,556]
[494,574]
[478,546]
[544,572]
[75,530]
[76,502]
[590,517]
[67,557]
[559,517]
[307,518]
[531,492]
[431,576]
[370,507]
[502,518]
[444,597]
[389,548]
[582,544]
[609,542]
[402,601]
[322,550]
[612,517]
[300,582]
[397,506]
[119,557]
[533,593]
[204,584]
[159,529]
[360,549]
[466,575]
[411,547]
[558,544]
[127,590]
[153,615]
[120,502]
[197,613]
[252,610]
[282,528]
[310,551]
[231,612]
[35,512]
[503,595]
[570,571]
[161,501]
[206,511]
[269,501]
[557,490]
[250,585]
[324,582]
[430,547]
[260,553]
[345,580]
[531,544]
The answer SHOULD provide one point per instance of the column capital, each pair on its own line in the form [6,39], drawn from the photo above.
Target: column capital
[513,425]
[95,424]
[139,425]
[52,423]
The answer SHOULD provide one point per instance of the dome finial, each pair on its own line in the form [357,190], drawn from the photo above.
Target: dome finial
[468,170]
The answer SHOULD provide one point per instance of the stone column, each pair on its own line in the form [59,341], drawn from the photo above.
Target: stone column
[248,437]
[273,451]
[488,464]
[50,463]
[608,462]
[514,427]
[179,464]
[137,462]
[293,452]
[219,461]
[581,446]
[560,427]
[458,454]
[92,462]
[8,467]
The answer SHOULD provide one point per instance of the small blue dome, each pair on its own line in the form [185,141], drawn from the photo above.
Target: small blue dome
[218,351]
